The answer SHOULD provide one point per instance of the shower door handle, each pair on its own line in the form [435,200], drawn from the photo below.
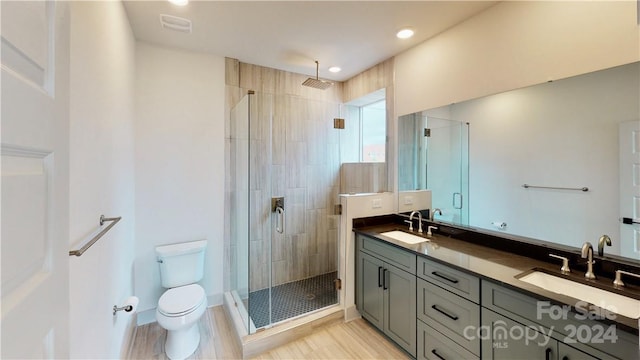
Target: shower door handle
[457,204]
[280,219]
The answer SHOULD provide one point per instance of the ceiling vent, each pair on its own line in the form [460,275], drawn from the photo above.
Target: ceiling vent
[175,23]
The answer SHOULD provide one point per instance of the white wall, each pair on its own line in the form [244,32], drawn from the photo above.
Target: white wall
[101,175]
[563,133]
[515,44]
[179,159]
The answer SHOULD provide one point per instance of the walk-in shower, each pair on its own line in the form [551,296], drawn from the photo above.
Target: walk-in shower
[282,188]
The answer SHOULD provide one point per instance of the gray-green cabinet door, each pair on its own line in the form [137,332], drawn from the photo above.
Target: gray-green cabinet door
[400,307]
[370,289]
[503,338]
[566,352]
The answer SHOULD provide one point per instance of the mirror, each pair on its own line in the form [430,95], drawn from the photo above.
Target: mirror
[557,138]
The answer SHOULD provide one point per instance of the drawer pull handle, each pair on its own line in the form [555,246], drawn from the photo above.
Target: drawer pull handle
[547,354]
[434,352]
[384,279]
[452,317]
[379,276]
[455,281]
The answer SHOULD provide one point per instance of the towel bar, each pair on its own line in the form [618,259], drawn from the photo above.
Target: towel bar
[103,219]
[526,186]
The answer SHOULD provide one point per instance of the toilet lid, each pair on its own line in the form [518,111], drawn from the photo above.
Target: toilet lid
[181,299]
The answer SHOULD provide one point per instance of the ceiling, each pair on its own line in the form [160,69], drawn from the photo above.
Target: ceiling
[290,35]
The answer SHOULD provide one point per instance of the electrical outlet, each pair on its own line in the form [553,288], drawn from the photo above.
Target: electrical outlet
[376,203]
[408,200]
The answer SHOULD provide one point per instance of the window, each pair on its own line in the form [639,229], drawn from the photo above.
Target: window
[373,132]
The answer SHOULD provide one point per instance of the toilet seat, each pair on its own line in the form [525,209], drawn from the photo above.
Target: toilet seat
[181,300]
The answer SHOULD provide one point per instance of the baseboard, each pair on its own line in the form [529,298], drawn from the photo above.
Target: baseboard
[351,313]
[146,317]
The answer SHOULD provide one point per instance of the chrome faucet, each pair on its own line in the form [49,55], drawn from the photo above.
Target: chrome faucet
[587,253]
[604,239]
[419,219]
[433,213]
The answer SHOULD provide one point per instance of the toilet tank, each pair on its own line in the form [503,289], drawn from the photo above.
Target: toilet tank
[181,264]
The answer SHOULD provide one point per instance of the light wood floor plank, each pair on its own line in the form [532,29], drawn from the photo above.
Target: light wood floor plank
[353,340]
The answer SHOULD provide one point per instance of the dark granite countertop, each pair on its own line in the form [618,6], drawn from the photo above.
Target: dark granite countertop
[496,265]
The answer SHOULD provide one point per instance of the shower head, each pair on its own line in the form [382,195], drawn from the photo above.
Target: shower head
[317,83]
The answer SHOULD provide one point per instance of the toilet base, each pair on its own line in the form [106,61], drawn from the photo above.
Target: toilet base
[182,343]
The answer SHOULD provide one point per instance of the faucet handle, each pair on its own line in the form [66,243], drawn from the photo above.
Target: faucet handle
[429,228]
[618,281]
[565,263]
[410,224]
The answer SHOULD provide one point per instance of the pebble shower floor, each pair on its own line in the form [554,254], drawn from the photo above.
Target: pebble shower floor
[293,299]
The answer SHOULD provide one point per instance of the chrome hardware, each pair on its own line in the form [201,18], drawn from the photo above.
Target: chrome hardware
[280,220]
[419,220]
[618,280]
[277,206]
[429,228]
[102,220]
[410,224]
[587,253]
[457,195]
[433,213]
[604,239]
[127,308]
[526,186]
[565,263]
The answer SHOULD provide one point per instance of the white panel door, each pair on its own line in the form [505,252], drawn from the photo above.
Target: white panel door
[34,189]
[629,136]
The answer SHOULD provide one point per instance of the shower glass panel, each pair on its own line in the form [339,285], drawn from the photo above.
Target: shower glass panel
[286,262]
[433,153]
[238,189]
[447,167]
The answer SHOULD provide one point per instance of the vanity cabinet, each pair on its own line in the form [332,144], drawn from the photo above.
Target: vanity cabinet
[435,311]
[386,291]
[508,339]
[506,314]
[447,306]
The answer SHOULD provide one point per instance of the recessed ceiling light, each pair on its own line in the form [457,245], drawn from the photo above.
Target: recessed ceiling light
[405,33]
[334,69]
[179,2]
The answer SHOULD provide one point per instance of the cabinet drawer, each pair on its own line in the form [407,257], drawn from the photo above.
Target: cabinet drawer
[524,309]
[458,282]
[434,346]
[449,313]
[402,259]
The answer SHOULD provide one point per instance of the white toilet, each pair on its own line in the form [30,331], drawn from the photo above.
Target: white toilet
[180,307]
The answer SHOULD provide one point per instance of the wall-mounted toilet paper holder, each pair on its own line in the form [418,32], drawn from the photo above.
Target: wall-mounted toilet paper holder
[129,305]
[127,308]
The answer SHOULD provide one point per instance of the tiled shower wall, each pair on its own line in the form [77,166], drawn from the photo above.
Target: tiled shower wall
[295,153]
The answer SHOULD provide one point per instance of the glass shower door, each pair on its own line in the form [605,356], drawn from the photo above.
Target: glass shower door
[293,182]
[447,168]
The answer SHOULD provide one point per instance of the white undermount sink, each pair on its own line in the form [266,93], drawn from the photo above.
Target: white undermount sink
[404,237]
[619,304]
